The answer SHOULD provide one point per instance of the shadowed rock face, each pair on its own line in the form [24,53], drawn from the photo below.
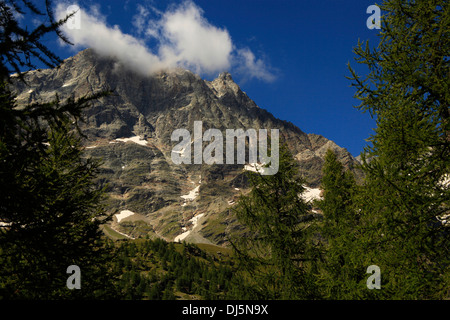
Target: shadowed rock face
[140,174]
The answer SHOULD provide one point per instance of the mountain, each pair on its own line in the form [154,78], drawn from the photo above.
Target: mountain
[131,131]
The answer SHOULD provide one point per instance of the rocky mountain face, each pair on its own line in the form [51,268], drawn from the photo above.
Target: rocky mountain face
[131,131]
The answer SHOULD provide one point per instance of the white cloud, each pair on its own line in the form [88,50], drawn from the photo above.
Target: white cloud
[252,67]
[183,38]
[140,19]
[191,41]
[93,32]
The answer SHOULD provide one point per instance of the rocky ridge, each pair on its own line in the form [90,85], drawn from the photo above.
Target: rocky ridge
[131,131]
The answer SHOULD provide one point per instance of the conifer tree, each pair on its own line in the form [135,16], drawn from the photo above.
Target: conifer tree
[337,272]
[338,188]
[406,193]
[272,253]
[19,47]
[50,208]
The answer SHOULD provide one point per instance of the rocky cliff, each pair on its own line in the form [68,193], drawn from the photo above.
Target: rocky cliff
[131,131]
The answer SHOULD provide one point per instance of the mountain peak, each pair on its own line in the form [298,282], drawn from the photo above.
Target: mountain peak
[225,76]
[132,130]
[224,84]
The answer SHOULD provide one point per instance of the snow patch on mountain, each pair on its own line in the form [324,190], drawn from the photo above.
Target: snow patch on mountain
[123,214]
[311,194]
[255,167]
[194,221]
[135,139]
[192,194]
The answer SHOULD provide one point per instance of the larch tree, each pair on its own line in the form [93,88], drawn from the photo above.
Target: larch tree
[273,252]
[406,194]
[338,270]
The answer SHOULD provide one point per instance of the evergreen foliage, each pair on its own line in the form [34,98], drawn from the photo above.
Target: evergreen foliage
[340,273]
[50,207]
[407,91]
[273,251]
[157,270]
[19,48]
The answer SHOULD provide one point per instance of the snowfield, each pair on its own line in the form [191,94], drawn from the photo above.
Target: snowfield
[123,214]
[194,221]
[255,167]
[135,139]
[192,194]
[311,194]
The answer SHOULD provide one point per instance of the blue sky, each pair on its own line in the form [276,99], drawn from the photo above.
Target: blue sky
[290,57]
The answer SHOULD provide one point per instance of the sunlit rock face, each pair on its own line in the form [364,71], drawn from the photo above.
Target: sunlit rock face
[131,130]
